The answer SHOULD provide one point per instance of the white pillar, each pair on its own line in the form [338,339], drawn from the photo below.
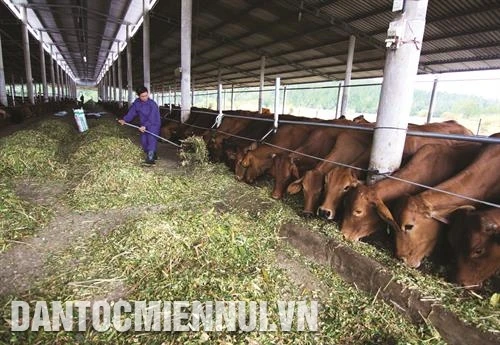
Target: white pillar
[220,106]
[13,87]
[348,73]
[146,45]
[170,98]
[276,101]
[113,78]
[27,56]
[58,97]
[3,90]
[232,96]
[120,81]
[129,68]
[284,99]
[186,27]
[431,103]
[219,90]
[337,108]
[105,87]
[52,76]
[261,85]
[22,90]
[400,72]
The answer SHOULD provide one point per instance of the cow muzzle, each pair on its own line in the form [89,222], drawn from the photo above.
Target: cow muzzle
[307,214]
[411,262]
[325,213]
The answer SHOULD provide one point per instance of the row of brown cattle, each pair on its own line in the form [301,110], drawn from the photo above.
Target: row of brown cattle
[416,215]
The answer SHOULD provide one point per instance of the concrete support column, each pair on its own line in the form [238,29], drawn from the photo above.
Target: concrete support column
[186,27]
[337,108]
[120,81]
[27,56]
[113,81]
[219,90]
[232,96]
[348,73]
[65,82]
[276,101]
[52,77]
[22,90]
[146,46]
[13,88]
[58,93]
[431,103]
[104,87]
[61,83]
[400,72]
[3,89]
[261,85]
[284,99]
[129,68]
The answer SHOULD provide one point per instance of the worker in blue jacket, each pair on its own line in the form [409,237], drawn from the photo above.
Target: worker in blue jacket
[149,116]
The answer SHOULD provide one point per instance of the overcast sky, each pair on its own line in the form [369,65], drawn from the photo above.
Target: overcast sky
[481,83]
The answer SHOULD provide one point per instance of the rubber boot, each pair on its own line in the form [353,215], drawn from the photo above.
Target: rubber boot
[155,156]
[150,158]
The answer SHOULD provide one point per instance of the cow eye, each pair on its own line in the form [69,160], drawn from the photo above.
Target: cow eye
[346,188]
[408,227]
[477,252]
[357,213]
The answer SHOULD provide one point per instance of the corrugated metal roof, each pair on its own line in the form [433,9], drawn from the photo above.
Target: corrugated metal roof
[303,41]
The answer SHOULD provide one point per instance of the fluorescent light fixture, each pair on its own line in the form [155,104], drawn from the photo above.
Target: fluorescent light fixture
[84,59]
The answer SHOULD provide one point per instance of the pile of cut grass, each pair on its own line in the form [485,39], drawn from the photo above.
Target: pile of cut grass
[31,153]
[193,152]
[106,173]
[57,129]
[18,218]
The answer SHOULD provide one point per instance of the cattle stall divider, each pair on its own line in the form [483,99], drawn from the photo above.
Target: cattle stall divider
[480,139]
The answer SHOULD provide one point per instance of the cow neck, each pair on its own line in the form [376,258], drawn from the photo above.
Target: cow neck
[479,180]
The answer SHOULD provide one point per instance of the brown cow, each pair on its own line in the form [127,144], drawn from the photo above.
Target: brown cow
[419,222]
[338,181]
[312,182]
[432,164]
[348,146]
[235,147]
[229,125]
[475,239]
[318,144]
[259,158]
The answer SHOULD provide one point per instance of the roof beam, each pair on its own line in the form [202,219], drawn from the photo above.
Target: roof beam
[256,51]
[459,60]
[103,16]
[335,22]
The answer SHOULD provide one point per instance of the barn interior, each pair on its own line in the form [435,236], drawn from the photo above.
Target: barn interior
[101,227]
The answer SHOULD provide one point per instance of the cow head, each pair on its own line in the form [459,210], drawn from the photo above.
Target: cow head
[360,119]
[475,239]
[283,170]
[243,161]
[338,181]
[418,230]
[312,186]
[361,213]
[255,163]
